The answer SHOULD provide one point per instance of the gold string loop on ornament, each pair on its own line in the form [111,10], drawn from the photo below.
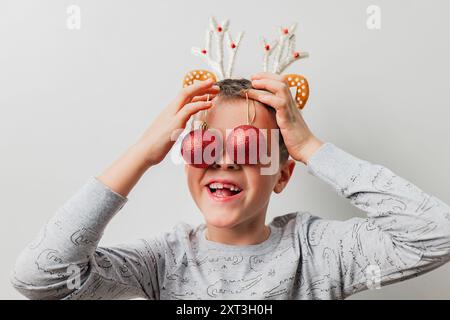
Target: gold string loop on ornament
[248,109]
[204,124]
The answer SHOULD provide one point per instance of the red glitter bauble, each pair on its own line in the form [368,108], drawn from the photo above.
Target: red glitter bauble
[193,148]
[244,144]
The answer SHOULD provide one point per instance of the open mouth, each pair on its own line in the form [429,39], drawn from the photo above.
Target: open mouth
[223,190]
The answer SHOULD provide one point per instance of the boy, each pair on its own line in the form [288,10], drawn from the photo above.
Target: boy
[234,255]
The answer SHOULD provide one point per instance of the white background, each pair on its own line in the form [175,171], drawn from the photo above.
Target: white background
[72,100]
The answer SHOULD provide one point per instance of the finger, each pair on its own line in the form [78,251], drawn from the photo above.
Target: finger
[204,97]
[267,75]
[212,93]
[192,108]
[267,98]
[198,88]
[279,88]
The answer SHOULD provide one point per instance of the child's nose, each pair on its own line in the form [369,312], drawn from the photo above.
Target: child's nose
[226,166]
[225,163]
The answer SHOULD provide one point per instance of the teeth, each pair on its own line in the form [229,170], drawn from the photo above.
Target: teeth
[234,188]
[218,185]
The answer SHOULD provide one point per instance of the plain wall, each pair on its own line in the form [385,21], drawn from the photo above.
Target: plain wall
[73,100]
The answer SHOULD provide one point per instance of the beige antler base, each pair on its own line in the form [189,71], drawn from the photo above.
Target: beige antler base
[302,88]
[200,75]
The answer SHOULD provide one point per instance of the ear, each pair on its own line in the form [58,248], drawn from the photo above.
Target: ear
[285,175]
[200,75]
[301,88]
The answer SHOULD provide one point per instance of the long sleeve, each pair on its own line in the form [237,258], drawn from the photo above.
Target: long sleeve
[65,262]
[406,231]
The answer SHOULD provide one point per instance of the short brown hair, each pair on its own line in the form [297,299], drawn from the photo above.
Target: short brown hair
[233,88]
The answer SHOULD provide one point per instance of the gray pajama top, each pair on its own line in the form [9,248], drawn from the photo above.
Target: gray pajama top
[406,233]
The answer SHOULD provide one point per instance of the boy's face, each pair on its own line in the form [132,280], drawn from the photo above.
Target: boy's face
[213,188]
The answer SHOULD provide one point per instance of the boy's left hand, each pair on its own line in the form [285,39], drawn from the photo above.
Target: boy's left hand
[271,89]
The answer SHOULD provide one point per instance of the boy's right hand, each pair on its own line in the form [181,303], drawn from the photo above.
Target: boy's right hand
[158,139]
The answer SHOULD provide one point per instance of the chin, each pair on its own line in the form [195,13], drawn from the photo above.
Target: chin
[221,219]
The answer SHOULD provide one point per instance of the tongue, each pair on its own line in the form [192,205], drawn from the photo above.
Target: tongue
[223,192]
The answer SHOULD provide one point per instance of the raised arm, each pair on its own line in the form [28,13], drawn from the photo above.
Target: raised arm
[158,139]
[406,232]
[64,261]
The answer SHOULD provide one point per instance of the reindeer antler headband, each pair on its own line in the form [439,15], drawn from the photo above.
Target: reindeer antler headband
[284,49]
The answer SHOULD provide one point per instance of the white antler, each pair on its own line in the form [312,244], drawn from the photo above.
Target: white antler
[217,63]
[268,50]
[232,49]
[282,60]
